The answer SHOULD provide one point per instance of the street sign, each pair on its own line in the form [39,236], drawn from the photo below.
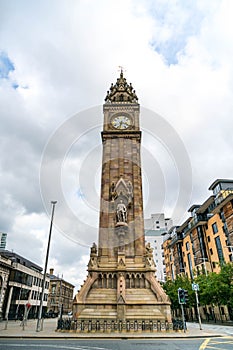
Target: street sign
[195,286]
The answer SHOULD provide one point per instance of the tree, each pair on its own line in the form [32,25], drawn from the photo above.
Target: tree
[171,288]
[226,284]
[214,289]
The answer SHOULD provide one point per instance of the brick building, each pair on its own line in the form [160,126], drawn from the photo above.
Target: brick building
[205,239]
[60,295]
[21,285]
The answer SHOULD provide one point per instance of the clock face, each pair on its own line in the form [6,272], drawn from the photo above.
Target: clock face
[121,122]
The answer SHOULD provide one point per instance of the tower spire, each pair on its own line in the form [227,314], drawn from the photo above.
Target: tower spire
[121,91]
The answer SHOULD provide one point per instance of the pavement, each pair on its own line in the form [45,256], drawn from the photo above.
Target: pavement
[14,329]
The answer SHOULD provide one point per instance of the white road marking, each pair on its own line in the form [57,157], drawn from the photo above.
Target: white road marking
[57,346]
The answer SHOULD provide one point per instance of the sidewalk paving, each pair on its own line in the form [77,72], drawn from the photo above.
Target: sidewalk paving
[15,330]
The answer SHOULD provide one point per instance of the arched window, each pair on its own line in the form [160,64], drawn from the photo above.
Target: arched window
[100,281]
[127,281]
[105,281]
[133,281]
[110,281]
[114,285]
[137,281]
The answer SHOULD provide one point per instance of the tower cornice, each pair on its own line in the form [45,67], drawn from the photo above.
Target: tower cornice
[125,134]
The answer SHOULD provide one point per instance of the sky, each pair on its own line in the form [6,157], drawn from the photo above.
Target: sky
[58,58]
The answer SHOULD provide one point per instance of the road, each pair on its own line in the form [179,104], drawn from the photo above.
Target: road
[225,343]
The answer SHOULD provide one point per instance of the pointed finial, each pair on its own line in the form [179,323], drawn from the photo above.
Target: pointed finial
[121,68]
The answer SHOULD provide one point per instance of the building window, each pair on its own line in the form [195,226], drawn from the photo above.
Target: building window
[208,238]
[157,222]
[215,227]
[211,251]
[190,265]
[53,289]
[219,249]
[187,246]
[217,189]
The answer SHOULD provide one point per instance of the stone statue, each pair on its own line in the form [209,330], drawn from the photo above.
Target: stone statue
[94,249]
[149,250]
[121,212]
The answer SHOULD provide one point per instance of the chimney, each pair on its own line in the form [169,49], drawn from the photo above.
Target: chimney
[51,271]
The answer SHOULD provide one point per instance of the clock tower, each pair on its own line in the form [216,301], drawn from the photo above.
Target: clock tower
[121,291]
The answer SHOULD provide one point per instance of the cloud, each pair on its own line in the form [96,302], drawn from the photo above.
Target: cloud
[59,58]
[174,24]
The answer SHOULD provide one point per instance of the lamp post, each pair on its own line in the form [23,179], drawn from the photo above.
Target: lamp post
[38,326]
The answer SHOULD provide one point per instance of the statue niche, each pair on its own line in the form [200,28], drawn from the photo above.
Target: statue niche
[121,194]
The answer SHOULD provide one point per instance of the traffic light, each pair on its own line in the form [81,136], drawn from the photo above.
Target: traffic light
[186,296]
[181,296]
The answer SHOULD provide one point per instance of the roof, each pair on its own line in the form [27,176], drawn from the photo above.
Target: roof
[14,257]
[194,206]
[216,182]
[181,227]
[205,205]
[57,278]
[157,232]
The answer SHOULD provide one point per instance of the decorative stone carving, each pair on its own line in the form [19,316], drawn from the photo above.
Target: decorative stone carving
[112,192]
[149,250]
[94,249]
[93,256]
[125,189]
[149,255]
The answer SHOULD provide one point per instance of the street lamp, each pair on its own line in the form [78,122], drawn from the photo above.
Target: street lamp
[38,326]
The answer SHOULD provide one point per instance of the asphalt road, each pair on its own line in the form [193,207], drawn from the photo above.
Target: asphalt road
[159,344]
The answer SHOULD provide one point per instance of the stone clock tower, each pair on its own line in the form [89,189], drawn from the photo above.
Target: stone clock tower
[121,291]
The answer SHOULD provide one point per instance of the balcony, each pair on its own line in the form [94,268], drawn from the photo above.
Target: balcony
[199,219]
[176,238]
[222,195]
